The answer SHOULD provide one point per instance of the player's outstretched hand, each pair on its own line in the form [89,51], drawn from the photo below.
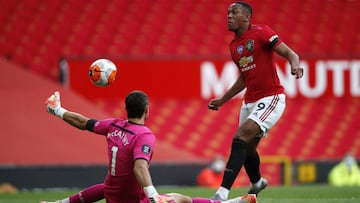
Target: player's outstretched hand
[298,72]
[215,104]
[53,105]
[53,102]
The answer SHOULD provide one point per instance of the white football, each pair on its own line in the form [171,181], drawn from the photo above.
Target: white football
[102,72]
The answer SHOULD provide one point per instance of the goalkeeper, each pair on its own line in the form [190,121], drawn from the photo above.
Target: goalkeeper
[130,149]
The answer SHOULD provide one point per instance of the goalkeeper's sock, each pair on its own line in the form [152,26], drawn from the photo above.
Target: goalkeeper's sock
[235,162]
[252,167]
[93,193]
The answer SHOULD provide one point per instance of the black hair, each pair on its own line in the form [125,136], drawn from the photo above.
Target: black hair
[245,5]
[135,104]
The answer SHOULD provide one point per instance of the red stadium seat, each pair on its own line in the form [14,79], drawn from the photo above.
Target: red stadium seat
[36,34]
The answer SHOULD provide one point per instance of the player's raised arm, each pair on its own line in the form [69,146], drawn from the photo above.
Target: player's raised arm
[53,106]
[285,51]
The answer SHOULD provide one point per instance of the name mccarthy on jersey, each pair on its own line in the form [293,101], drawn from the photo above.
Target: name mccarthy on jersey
[120,134]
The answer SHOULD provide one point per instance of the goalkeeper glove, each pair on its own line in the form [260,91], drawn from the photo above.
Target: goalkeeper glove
[53,105]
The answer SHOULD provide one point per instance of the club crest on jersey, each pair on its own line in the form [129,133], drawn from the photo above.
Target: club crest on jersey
[146,149]
[240,49]
[249,45]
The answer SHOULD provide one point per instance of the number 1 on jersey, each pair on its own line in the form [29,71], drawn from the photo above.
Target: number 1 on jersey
[114,150]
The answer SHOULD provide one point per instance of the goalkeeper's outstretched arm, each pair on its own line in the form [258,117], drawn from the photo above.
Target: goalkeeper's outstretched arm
[53,106]
[75,119]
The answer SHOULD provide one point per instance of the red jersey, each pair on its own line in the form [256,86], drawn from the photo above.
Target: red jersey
[252,53]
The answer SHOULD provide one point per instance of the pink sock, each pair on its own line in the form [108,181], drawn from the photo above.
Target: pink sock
[204,200]
[91,194]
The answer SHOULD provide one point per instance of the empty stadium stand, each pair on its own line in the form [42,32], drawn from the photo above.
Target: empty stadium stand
[308,130]
[36,34]
[30,136]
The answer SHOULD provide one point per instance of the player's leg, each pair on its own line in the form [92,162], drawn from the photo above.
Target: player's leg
[88,195]
[252,167]
[265,112]
[246,132]
[233,166]
[91,194]
[248,198]
[179,198]
[252,161]
[237,154]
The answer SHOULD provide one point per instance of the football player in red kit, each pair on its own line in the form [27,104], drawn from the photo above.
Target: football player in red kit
[252,50]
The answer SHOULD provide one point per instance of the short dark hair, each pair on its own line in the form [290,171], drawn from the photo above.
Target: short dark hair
[135,104]
[245,5]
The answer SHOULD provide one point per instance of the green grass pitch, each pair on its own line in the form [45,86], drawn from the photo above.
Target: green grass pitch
[279,194]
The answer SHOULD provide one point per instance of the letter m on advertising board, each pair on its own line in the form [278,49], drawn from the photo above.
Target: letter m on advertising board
[214,84]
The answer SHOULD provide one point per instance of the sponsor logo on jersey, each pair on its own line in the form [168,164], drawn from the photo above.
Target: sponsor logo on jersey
[249,45]
[244,63]
[245,60]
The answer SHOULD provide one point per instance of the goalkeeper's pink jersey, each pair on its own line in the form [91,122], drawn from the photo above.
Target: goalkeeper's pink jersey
[126,142]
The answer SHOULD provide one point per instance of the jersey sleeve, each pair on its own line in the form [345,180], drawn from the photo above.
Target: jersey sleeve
[144,146]
[269,37]
[101,126]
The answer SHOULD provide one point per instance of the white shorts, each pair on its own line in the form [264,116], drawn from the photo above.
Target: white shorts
[265,112]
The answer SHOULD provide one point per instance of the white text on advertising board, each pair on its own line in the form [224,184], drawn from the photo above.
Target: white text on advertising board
[329,79]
